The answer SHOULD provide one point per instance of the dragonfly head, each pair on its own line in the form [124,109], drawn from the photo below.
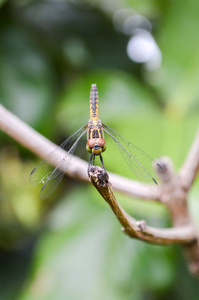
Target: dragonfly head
[96,146]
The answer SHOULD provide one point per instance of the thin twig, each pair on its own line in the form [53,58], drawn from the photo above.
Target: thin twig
[191,165]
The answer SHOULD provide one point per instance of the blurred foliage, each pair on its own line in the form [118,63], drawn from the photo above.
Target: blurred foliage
[71,246]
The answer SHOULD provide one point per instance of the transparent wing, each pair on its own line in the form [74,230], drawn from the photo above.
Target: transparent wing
[50,171]
[51,183]
[129,155]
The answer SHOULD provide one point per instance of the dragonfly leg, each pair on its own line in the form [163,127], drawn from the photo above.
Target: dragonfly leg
[101,159]
[91,162]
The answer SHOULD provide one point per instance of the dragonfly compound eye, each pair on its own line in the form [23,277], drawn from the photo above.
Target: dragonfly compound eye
[96,146]
[90,144]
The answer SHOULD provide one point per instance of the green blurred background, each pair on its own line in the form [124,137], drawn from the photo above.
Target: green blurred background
[144,57]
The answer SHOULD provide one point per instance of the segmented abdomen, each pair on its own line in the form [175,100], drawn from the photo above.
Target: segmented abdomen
[94,112]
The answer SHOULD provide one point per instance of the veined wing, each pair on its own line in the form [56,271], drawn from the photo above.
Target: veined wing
[50,171]
[140,163]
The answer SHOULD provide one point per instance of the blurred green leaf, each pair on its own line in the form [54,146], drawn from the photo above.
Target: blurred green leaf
[2,2]
[85,248]
[147,7]
[20,209]
[178,39]
[28,85]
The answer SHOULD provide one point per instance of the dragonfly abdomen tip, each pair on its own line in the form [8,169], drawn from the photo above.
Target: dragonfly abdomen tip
[93,86]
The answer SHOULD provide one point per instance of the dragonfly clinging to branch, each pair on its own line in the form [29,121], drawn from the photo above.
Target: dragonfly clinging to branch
[50,171]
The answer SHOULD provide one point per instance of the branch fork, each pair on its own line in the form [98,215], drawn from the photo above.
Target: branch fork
[173,193]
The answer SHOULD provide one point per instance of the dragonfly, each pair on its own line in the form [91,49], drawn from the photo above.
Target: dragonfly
[100,138]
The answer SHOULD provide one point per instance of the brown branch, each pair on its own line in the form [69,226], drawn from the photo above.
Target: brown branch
[175,198]
[132,227]
[174,194]
[34,141]
[41,146]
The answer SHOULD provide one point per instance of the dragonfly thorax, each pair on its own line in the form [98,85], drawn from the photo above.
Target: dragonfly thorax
[96,146]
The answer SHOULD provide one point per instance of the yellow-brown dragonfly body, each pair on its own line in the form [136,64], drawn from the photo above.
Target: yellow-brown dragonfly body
[51,170]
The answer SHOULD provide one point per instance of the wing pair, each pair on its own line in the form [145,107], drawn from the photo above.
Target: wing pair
[51,170]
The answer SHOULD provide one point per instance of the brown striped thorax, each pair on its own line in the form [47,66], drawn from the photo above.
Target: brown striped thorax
[95,135]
